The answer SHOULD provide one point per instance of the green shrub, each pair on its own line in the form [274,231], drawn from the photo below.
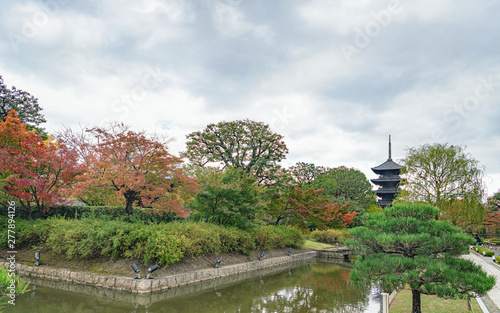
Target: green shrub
[163,249]
[197,238]
[274,237]
[493,240]
[163,243]
[236,240]
[483,251]
[27,233]
[331,236]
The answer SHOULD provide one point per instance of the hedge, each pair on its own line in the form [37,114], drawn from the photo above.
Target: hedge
[483,251]
[331,236]
[115,212]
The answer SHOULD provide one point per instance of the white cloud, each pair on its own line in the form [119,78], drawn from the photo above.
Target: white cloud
[231,59]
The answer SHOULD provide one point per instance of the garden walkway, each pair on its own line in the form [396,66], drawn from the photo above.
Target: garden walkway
[493,269]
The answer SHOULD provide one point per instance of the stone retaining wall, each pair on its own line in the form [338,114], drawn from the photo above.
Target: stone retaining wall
[145,286]
[149,298]
[339,253]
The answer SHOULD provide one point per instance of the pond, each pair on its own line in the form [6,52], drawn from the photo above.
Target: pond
[313,287]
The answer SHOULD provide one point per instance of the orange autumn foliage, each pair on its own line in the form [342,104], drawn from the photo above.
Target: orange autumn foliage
[36,171]
[138,168]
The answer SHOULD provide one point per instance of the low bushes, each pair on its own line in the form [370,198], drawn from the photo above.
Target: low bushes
[271,237]
[162,243]
[330,235]
[483,251]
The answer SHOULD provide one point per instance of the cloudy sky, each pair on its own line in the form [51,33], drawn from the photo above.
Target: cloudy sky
[335,78]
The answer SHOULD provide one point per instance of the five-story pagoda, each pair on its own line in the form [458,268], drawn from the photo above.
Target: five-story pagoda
[388,180]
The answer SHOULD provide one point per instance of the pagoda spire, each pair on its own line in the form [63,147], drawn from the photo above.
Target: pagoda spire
[390,147]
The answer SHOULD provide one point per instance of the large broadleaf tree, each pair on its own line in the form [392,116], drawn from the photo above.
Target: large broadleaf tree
[249,145]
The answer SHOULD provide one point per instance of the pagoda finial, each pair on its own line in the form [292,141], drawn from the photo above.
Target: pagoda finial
[390,147]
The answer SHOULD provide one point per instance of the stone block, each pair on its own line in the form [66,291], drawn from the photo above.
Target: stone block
[145,285]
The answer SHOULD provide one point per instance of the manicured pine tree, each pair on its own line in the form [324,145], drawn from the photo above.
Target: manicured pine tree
[406,244]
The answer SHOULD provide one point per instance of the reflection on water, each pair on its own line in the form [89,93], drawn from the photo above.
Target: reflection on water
[314,287]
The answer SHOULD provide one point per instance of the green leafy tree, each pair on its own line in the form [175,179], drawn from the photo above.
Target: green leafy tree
[493,204]
[407,245]
[245,144]
[305,173]
[441,174]
[342,185]
[230,197]
[24,104]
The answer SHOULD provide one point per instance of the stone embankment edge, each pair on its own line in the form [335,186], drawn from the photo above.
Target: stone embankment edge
[145,286]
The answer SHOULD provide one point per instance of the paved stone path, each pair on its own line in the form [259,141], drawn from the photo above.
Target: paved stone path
[492,299]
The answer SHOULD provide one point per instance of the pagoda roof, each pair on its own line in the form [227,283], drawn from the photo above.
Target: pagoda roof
[388,165]
[385,179]
[385,191]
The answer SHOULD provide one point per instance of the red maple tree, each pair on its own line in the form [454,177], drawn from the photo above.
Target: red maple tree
[138,168]
[36,171]
[301,207]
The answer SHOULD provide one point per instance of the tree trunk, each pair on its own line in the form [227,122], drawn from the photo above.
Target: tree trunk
[39,210]
[278,221]
[416,308]
[129,209]
[28,212]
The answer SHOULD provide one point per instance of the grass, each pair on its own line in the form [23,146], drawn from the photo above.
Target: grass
[309,244]
[431,304]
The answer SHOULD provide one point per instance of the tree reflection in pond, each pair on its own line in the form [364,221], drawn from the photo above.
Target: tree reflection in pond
[321,288]
[315,287]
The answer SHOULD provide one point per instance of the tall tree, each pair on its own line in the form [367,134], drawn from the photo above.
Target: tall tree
[460,214]
[24,104]
[342,185]
[228,197]
[134,165]
[492,219]
[439,174]
[245,144]
[35,171]
[305,173]
[407,245]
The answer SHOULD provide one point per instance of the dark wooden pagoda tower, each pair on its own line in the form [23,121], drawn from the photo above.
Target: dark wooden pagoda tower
[388,180]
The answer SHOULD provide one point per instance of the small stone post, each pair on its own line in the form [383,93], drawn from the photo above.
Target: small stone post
[385,302]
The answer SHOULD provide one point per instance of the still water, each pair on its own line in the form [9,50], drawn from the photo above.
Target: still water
[313,287]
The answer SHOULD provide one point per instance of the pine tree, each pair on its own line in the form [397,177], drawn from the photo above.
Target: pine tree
[407,245]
